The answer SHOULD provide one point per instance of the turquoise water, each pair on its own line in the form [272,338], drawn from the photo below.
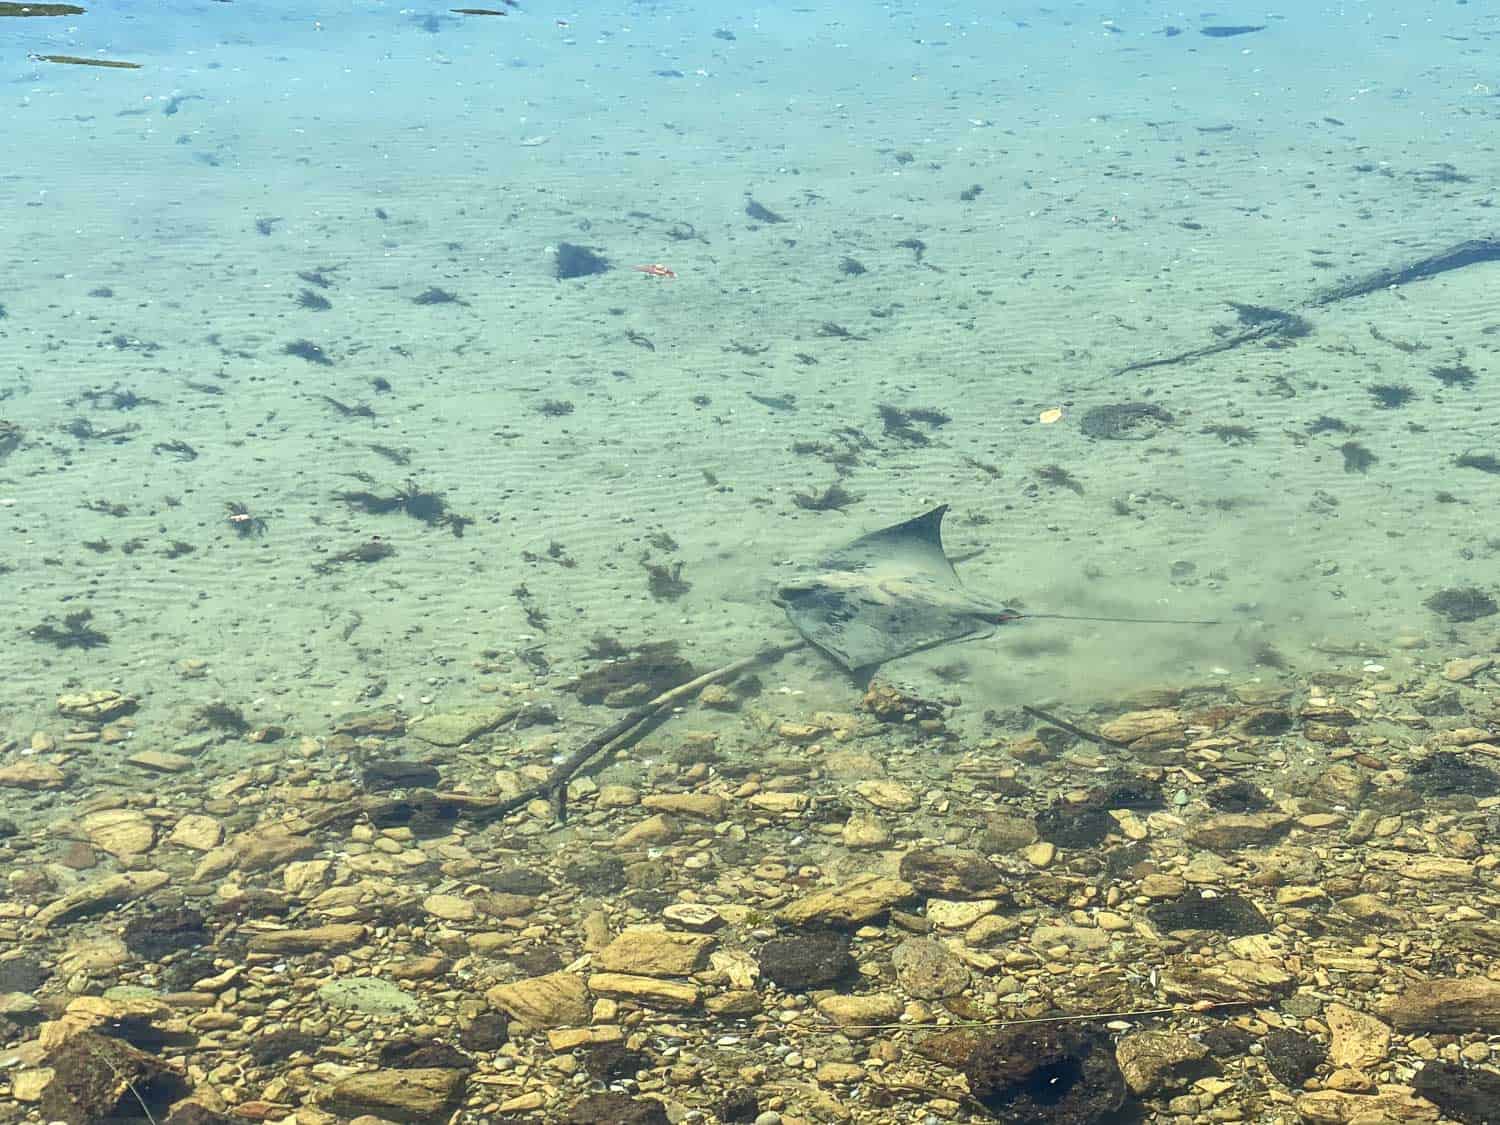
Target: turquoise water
[1036,197]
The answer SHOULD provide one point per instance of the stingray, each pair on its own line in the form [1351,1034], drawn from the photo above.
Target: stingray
[894,592]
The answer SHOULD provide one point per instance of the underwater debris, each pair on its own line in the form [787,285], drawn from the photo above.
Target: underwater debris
[851,267]
[834,498]
[372,550]
[971,193]
[25,10]
[1231,434]
[1462,604]
[75,632]
[179,449]
[1125,421]
[1357,459]
[761,214]
[106,508]
[435,296]
[359,410]
[578,261]
[632,674]
[901,422]
[1484,462]
[554,408]
[1058,477]
[1391,396]
[219,715]
[306,349]
[244,523]
[74,60]
[1454,375]
[1214,32]
[665,582]
[1327,424]
[838,332]
[318,277]
[117,399]
[10,438]
[428,507]
[640,339]
[307,299]
[781,404]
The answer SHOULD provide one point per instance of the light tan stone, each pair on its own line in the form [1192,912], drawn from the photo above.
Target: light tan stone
[332,938]
[31,774]
[1357,1039]
[651,991]
[419,1094]
[658,829]
[450,908]
[890,796]
[196,831]
[305,876]
[851,904]
[553,1000]
[120,832]
[655,953]
[160,761]
[703,806]
[96,706]
[854,1013]
[101,894]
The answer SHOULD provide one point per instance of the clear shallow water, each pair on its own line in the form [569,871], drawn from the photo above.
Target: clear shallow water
[1130,184]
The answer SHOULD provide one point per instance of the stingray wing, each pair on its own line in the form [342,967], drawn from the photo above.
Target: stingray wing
[887,594]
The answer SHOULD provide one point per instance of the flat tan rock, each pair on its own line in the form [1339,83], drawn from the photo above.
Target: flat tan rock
[454,728]
[703,806]
[1390,1103]
[450,908]
[890,796]
[1231,831]
[421,1094]
[102,894]
[851,904]
[96,706]
[1357,1040]
[1461,1004]
[120,832]
[849,1012]
[315,939]
[676,996]
[1134,725]
[658,829]
[196,831]
[655,953]
[31,774]
[161,761]
[553,1000]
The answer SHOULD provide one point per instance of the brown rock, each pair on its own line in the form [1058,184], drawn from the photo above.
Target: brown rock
[704,806]
[1451,1004]
[102,894]
[952,873]
[1156,1060]
[553,1000]
[655,953]
[31,774]
[96,706]
[928,969]
[420,1095]
[91,1073]
[120,832]
[1358,1040]
[1231,831]
[852,904]
[1157,724]
[655,993]
[316,939]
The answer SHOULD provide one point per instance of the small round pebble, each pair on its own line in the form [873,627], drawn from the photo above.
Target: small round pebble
[770,1117]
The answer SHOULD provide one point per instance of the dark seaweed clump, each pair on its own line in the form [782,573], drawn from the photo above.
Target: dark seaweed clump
[834,498]
[75,632]
[1456,375]
[1357,459]
[306,349]
[220,715]
[901,422]
[578,261]
[1484,462]
[1462,603]
[1391,396]
[428,507]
